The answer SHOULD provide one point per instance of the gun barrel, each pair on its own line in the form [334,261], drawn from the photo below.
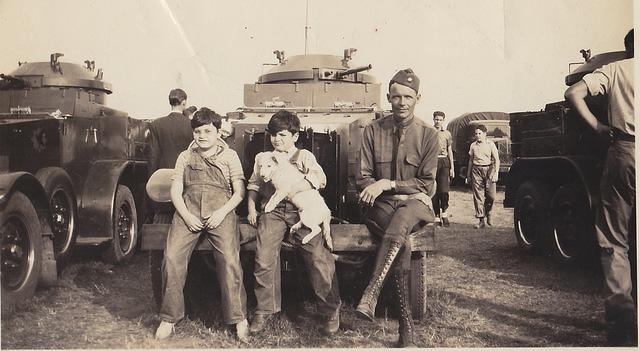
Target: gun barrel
[353,70]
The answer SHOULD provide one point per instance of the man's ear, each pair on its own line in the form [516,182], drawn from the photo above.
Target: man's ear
[418,98]
[388,98]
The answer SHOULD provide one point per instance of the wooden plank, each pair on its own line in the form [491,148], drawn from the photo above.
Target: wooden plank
[346,238]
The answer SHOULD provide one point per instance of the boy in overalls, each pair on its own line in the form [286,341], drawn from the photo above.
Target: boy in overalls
[283,128]
[207,187]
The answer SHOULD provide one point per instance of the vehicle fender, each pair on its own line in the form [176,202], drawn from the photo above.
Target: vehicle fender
[95,210]
[28,184]
[555,171]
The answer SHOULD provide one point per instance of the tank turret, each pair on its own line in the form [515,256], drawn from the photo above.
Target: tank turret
[54,86]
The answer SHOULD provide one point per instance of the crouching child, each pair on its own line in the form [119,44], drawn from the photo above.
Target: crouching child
[207,187]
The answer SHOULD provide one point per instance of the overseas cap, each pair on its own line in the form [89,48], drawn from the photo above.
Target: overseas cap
[177,94]
[406,77]
[438,113]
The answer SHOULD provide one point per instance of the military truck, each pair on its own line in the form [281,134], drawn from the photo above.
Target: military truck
[462,131]
[553,184]
[334,103]
[72,172]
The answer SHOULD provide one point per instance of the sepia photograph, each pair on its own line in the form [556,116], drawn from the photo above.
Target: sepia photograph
[291,174]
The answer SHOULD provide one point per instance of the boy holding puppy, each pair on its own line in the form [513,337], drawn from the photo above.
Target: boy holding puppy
[283,129]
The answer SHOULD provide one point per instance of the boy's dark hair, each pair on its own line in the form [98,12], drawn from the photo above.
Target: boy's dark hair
[283,120]
[176,97]
[481,127]
[628,43]
[205,116]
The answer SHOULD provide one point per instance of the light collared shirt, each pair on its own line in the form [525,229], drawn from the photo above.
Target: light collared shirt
[616,80]
[444,141]
[224,157]
[481,152]
[306,163]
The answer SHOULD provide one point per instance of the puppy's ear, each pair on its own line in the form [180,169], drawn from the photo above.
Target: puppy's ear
[275,160]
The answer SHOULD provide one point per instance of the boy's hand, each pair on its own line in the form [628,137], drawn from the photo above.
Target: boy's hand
[214,220]
[252,217]
[452,173]
[193,223]
[494,177]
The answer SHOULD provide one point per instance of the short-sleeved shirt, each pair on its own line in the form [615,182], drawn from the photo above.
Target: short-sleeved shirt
[306,163]
[444,141]
[224,157]
[480,152]
[616,80]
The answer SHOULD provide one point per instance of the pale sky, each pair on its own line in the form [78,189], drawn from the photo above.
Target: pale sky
[471,55]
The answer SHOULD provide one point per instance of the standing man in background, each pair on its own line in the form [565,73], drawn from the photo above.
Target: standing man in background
[444,172]
[169,135]
[617,188]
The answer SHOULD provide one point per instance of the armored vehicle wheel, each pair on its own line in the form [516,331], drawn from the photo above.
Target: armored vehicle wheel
[124,229]
[531,216]
[571,223]
[21,251]
[62,202]
[418,285]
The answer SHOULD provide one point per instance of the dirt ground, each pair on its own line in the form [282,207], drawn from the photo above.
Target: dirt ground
[483,292]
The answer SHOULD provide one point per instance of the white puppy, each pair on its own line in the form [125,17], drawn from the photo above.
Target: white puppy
[310,204]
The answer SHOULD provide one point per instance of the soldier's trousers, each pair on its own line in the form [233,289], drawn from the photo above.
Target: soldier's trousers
[617,188]
[318,260]
[394,220]
[484,190]
[180,245]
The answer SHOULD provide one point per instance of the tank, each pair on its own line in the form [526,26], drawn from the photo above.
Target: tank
[334,102]
[60,141]
[557,164]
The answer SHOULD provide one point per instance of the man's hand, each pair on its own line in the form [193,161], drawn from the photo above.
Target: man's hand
[371,192]
[214,220]
[252,217]
[494,177]
[193,223]
[604,132]
[452,173]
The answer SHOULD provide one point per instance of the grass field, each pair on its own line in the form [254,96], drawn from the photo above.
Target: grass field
[483,292]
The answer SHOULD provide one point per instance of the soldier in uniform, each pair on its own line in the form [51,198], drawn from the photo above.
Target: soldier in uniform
[617,187]
[399,156]
[444,172]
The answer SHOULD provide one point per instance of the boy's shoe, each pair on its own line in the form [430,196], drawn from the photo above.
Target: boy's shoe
[445,219]
[165,329]
[331,324]
[489,220]
[481,224]
[259,322]
[242,330]
[437,221]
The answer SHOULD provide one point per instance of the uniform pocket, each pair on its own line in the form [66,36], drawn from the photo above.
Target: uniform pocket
[413,160]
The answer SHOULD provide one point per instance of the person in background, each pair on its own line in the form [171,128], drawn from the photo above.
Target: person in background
[614,224]
[284,128]
[445,170]
[482,174]
[399,157]
[208,185]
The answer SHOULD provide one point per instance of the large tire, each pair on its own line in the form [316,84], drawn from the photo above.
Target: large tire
[531,216]
[418,285]
[571,224]
[62,203]
[21,251]
[124,237]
